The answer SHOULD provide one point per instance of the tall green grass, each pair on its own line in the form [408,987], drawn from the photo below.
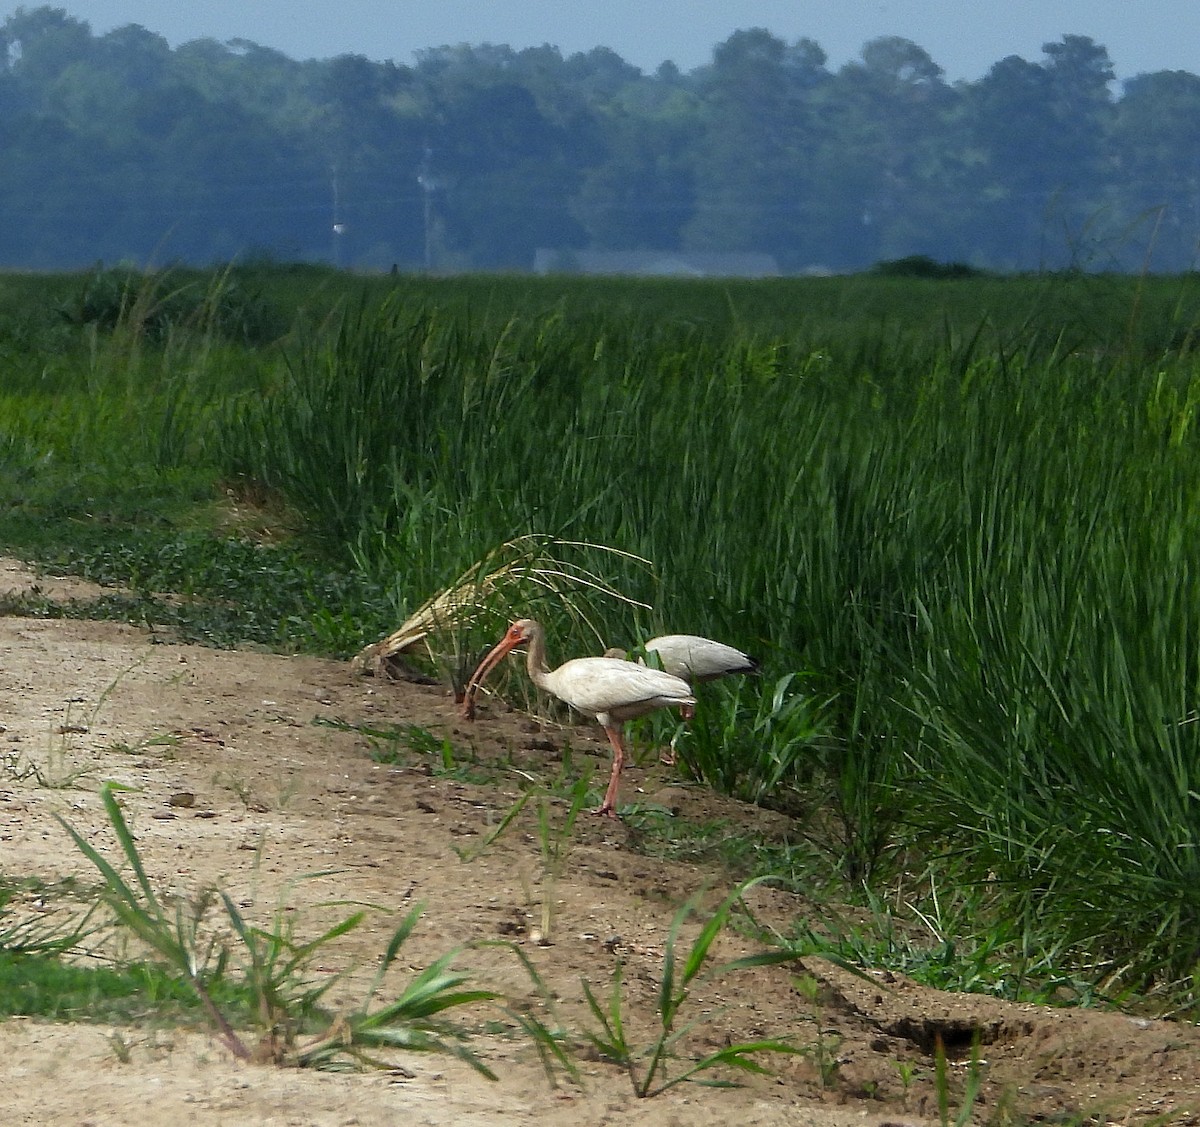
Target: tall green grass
[977,542]
[964,512]
[1052,672]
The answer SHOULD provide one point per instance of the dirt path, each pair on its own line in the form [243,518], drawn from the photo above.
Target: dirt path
[289,809]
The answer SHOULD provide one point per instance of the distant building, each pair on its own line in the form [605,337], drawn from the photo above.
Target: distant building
[655,263]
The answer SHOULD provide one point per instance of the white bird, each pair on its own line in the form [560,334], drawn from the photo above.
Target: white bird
[693,659]
[609,691]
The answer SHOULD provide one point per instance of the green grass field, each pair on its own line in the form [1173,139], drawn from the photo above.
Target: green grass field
[957,520]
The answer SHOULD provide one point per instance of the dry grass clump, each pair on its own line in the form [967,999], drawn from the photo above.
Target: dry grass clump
[522,573]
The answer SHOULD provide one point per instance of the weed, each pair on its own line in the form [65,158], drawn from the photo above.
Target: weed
[45,932]
[225,591]
[826,1042]
[276,968]
[970,1094]
[995,956]
[169,741]
[647,1066]
[438,751]
[555,842]
[56,773]
[287,787]
[907,1071]
[53,775]
[825,1052]
[551,1045]
[510,816]
[241,789]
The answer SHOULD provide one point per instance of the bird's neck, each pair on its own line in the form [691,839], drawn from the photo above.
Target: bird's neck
[535,656]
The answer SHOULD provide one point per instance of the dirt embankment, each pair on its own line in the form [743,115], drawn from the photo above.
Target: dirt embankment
[288,811]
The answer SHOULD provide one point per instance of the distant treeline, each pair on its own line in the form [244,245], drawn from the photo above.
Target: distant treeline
[118,148]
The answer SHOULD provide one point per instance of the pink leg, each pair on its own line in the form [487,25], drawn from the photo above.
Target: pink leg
[609,806]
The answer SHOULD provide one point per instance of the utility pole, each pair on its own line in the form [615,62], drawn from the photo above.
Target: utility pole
[429,185]
[338,228]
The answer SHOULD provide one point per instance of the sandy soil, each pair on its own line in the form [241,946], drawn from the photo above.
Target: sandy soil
[279,796]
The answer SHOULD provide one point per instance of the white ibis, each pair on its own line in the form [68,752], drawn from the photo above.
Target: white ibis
[609,691]
[693,659]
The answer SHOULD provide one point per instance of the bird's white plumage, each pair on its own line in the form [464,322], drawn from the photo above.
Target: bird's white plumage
[694,658]
[620,690]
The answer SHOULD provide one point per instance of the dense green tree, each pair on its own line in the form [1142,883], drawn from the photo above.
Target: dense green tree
[884,176]
[371,155]
[502,167]
[37,46]
[120,147]
[58,193]
[1042,131]
[600,76]
[754,172]
[1156,185]
[642,194]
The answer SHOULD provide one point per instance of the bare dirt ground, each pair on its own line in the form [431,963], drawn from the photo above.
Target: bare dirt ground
[279,796]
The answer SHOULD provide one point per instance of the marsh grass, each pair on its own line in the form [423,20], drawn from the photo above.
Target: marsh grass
[762,743]
[960,513]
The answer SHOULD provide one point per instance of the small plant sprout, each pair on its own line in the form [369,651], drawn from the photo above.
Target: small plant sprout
[826,1052]
[647,1066]
[907,1071]
[555,841]
[510,816]
[826,1045]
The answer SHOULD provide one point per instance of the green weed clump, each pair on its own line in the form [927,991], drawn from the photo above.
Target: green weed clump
[655,1067]
[155,304]
[277,974]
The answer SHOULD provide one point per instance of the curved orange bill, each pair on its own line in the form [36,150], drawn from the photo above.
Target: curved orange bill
[493,658]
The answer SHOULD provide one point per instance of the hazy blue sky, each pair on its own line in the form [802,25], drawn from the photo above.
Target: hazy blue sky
[964,36]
